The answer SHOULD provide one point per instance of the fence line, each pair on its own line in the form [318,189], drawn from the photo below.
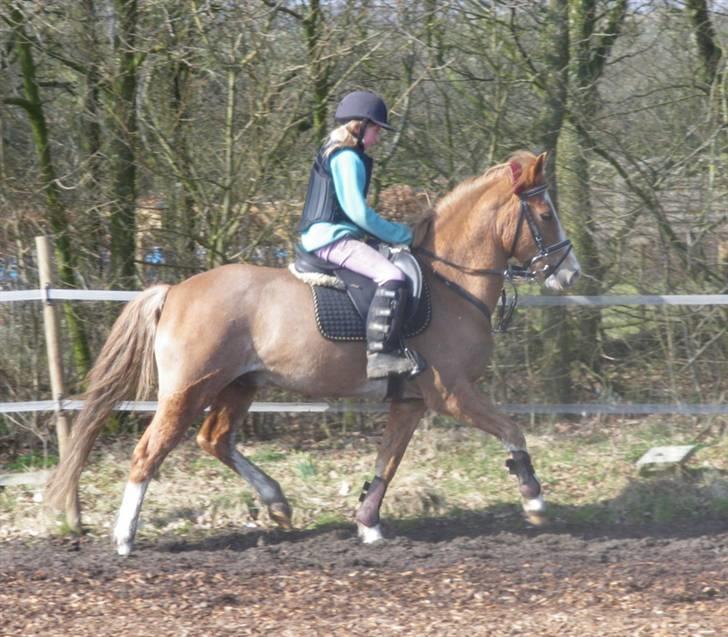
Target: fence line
[59,294]
[62,294]
[579,409]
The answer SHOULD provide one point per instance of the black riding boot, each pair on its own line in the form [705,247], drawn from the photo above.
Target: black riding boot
[385,320]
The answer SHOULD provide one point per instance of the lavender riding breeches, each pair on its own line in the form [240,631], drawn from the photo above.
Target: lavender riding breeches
[361,258]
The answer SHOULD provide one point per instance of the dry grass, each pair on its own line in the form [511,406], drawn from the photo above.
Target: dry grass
[587,469]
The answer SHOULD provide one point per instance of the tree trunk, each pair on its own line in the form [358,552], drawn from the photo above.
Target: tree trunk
[122,121]
[554,83]
[592,44]
[90,130]
[57,218]
[313,23]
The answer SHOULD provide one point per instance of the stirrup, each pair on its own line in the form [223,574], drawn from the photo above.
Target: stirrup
[419,364]
[382,364]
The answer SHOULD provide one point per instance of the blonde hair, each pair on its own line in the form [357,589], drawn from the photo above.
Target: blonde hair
[344,136]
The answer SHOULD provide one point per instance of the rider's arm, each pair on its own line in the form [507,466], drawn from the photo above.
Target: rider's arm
[349,176]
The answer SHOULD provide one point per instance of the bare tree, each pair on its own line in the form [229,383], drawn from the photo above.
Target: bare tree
[57,218]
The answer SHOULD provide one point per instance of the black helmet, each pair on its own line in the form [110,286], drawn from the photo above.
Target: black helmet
[362,105]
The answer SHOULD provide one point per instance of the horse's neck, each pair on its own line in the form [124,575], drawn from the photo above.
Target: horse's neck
[472,248]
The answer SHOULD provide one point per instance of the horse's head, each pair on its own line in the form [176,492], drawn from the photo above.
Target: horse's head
[535,235]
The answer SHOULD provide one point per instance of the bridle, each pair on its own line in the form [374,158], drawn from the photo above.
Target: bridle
[511,272]
[529,271]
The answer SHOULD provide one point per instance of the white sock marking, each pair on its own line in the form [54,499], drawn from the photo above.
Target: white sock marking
[369,534]
[534,505]
[126,520]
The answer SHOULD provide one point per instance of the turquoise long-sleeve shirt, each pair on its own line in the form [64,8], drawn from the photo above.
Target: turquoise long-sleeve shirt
[349,176]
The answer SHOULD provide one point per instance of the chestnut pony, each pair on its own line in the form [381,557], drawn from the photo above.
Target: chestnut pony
[220,335]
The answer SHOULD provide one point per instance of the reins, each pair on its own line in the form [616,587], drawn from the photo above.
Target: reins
[462,268]
[507,306]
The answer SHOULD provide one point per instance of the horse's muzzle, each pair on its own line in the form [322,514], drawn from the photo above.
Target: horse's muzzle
[562,279]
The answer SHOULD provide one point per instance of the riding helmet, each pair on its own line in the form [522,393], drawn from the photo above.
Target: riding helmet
[362,105]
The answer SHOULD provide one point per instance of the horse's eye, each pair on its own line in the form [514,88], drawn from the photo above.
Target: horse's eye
[547,216]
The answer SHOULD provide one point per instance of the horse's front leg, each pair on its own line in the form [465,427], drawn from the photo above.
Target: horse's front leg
[403,419]
[465,402]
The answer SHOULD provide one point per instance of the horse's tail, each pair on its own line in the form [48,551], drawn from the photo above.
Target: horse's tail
[124,368]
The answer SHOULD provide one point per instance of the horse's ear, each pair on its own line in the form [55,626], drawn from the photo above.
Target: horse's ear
[540,166]
[535,172]
[516,174]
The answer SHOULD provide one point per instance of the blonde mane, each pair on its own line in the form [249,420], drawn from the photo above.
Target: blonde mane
[467,193]
[470,190]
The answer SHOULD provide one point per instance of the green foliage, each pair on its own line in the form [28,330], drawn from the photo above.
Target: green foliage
[306,467]
[268,454]
[329,520]
[29,461]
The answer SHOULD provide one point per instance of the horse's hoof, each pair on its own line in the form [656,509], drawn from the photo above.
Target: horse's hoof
[123,545]
[537,519]
[280,513]
[123,549]
[122,542]
[535,510]
[534,505]
[369,534]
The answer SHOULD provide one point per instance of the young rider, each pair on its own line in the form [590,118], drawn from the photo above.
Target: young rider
[337,220]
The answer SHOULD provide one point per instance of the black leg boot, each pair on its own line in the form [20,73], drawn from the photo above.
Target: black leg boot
[385,320]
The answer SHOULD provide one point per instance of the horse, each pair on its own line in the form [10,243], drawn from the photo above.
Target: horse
[219,336]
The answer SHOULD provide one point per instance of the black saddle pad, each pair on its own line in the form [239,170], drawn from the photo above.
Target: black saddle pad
[339,320]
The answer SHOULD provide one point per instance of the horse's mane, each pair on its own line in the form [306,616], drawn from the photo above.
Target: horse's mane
[469,191]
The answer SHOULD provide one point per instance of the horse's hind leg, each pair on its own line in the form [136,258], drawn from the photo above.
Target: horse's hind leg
[174,414]
[217,437]
[403,419]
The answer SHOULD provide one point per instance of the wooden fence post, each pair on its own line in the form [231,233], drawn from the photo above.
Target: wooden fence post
[55,368]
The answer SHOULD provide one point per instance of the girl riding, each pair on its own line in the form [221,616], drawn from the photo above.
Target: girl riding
[337,222]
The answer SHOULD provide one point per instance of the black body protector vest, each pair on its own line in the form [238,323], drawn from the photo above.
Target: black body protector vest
[321,203]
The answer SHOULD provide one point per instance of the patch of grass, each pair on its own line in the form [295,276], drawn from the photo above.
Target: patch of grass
[587,470]
[29,461]
[666,508]
[306,467]
[268,454]
[204,462]
[62,527]
[329,520]
[721,506]
[587,515]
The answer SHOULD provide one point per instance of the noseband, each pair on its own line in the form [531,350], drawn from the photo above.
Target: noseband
[529,271]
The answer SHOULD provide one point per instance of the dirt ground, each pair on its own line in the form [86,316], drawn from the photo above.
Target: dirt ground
[478,574]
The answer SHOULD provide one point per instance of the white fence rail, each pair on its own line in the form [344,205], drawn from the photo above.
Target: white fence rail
[579,409]
[60,294]
[48,295]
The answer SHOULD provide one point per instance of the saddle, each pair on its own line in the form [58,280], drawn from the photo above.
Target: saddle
[342,298]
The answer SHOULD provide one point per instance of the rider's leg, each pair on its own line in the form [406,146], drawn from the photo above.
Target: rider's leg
[384,326]
[386,315]
[361,258]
